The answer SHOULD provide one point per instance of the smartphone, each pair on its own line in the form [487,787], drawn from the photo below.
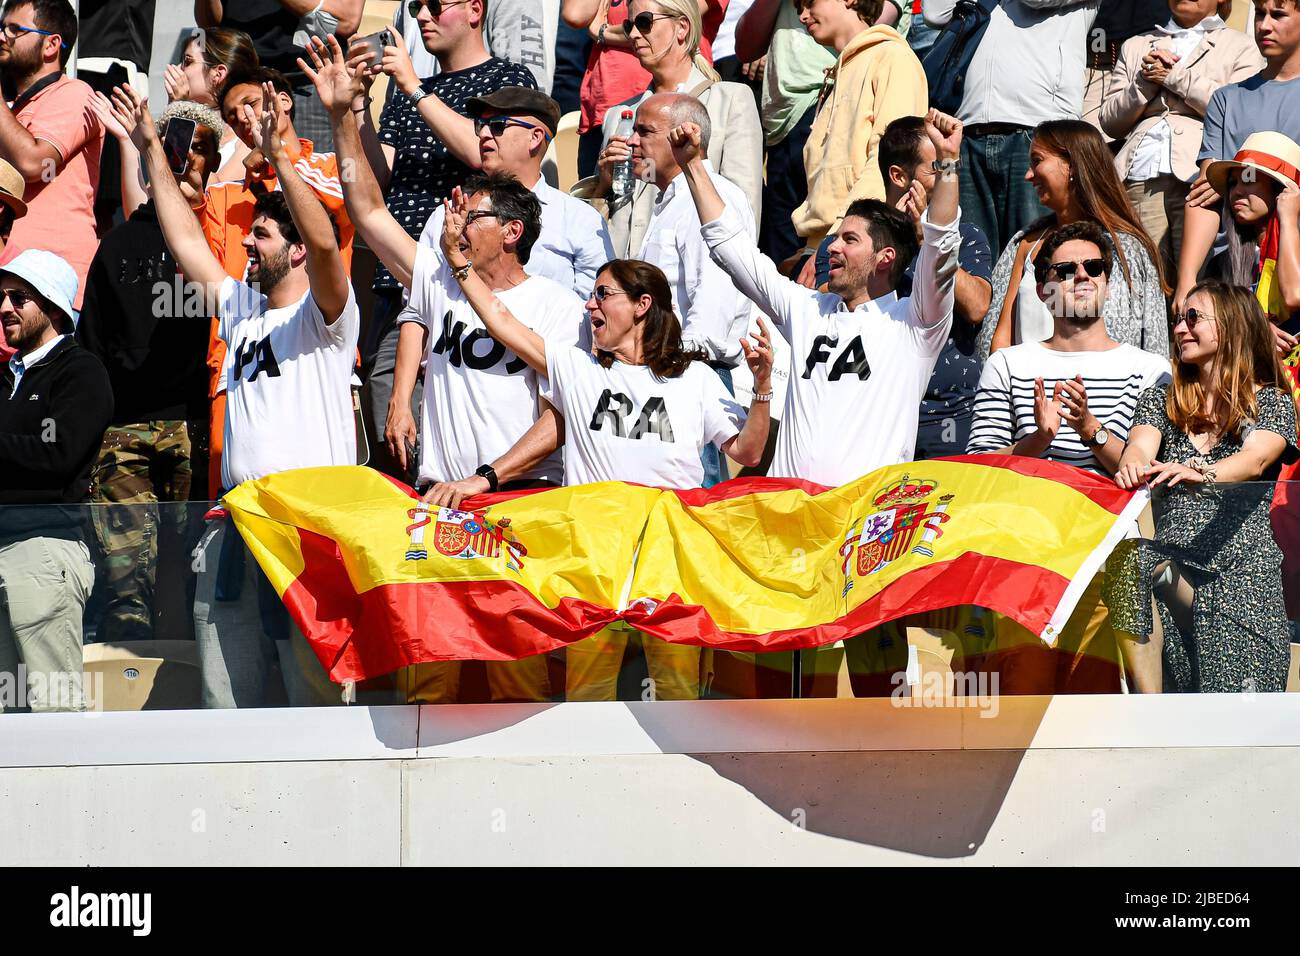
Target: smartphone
[176,143]
[375,43]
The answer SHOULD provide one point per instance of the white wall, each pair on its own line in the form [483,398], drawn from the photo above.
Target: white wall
[1110,780]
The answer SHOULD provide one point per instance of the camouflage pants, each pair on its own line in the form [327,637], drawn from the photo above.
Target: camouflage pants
[138,467]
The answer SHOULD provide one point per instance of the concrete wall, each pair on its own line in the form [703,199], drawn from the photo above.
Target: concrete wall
[1111,781]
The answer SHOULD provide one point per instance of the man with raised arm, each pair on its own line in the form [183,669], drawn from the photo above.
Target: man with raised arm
[480,399]
[292,333]
[862,356]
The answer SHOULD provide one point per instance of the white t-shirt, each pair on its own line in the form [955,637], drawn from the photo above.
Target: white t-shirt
[1113,379]
[625,424]
[479,397]
[288,394]
[856,378]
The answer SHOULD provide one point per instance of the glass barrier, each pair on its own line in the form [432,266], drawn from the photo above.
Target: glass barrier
[154,606]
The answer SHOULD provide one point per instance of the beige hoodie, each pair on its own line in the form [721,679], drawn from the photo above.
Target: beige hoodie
[876,80]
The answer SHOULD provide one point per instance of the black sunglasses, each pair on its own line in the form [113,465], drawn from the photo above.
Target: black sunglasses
[1066,271]
[498,125]
[645,20]
[435,7]
[1191,317]
[17,297]
[603,292]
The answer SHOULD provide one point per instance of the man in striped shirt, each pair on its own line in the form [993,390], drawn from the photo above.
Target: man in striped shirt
[1071,398]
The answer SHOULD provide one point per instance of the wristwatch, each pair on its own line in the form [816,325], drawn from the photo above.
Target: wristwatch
[462,272]
[419,94]
[1099,438]
[944,166]
[490,473]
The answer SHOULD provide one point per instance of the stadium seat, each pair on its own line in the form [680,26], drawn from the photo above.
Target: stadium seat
[145,675]
[560,165]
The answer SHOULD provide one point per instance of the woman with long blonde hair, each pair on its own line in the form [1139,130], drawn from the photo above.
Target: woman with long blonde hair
[1226,418]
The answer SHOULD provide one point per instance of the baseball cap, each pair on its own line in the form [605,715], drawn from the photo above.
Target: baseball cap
[49,275]
[517,101]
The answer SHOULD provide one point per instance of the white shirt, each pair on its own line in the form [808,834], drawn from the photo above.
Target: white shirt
[18,364]
[288,393]
[625,424]
[1030,64]
[856,378]
[724,44]
[712,310]
[1114,379]
[479,397]
[1152,156]
[574,242]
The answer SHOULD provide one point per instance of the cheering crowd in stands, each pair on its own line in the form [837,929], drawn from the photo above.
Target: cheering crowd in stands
[1062,229]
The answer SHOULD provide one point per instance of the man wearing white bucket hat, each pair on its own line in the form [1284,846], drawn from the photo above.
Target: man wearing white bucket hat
[52,417]
[1261,205]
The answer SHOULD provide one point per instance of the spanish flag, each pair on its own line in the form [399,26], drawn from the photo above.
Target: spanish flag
[378,581]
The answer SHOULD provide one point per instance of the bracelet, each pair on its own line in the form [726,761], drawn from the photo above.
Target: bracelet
[600,37]
[1202,465]
[763,396]
[463,271]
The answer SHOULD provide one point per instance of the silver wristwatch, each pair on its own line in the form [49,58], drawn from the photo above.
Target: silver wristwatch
[419,94]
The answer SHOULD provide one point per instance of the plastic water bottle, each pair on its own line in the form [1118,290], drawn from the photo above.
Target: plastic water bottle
[623,171]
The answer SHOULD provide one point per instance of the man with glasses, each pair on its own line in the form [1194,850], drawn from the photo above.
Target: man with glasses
[52,417]
[1070,399]
[49,133]
[515,125]
[425,146]
[479,399]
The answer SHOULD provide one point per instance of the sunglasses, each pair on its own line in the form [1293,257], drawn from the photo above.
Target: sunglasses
[435,7]
[1065,271]
[13,31]
[1190,317]
[645,21]
[603,292]
[497,125]
[17,297]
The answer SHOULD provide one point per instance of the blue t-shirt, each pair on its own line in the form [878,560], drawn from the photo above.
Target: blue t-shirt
[948,406]
[1251,106]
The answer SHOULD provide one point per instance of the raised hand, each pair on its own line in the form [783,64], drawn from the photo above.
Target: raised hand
[336,84]
[759,358]
[913,202]
[267,137]
[1047,411]
[1074,407]
[131,110]
[945,133]
[685,142]
[102,107]
[455,215]
[397,64]
[176,83]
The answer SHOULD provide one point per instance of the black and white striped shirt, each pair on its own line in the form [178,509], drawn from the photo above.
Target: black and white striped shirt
[1004,404]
